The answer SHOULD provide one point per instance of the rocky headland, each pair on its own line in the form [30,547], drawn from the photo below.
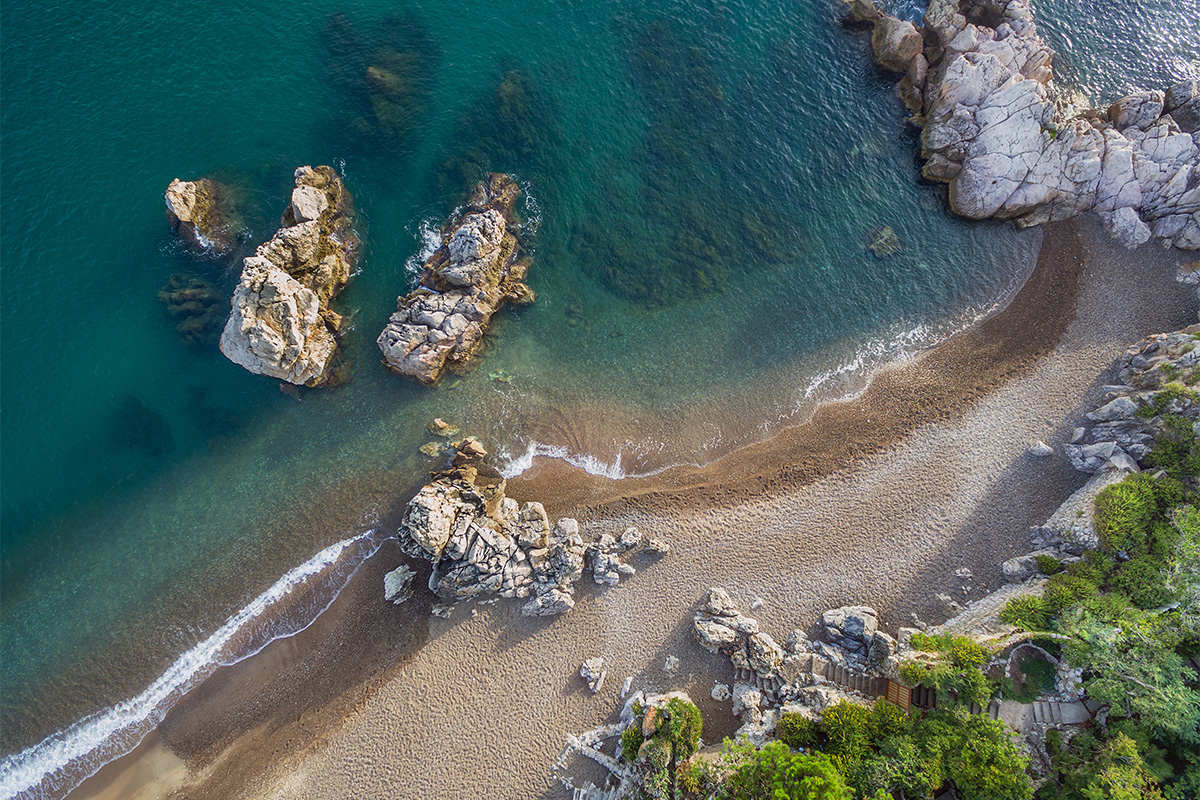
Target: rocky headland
[477,269]
[281,324]
[481,541]
[204,214]
[978,81]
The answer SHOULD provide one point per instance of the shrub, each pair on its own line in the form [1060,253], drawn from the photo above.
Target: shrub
[886,720]
[1124,512]
[1028,612]
[1143,579]
[798,732]
[776,773]
[1048,564]
[1065,590]
[682,729]
[846,728]
[966,652]
[1177,449]
[631,742]
[1094,566]
[913,672]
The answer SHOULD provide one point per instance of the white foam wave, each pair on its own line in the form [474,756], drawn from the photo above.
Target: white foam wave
[514,466]
[63,760]
[429,234]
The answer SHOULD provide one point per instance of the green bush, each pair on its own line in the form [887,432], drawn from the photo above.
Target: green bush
[913,672]
[1028,612]
[1065,590]
[776,773]
[1124,512]
[1094,566]
[631,742]
[1048,564]
[1143,579]
[1177,449]
[846,728]
[798,732]
[683,728]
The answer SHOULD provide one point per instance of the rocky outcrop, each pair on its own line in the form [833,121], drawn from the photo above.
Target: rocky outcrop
[478,268]
[281,324]
[205,215]
[993,129]
[1154,378]
[482,542]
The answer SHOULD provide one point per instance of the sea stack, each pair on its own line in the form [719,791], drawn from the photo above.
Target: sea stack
[280,323]
[478,268]
[203,214]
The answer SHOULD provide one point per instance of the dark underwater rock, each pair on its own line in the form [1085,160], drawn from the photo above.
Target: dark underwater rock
[196,306]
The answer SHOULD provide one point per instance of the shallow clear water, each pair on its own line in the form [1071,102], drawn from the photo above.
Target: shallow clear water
[701,180]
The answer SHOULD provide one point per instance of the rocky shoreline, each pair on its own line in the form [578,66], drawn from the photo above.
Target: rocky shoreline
[281,324]
[977,80]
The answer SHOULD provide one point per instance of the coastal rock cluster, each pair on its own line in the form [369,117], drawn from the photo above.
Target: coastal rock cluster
[1122,432]
[769,673]
[281,324]
[203,214]
[977,79]
[477,269]
[482,542]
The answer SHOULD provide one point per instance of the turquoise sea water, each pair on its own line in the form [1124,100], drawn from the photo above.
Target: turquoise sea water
[702,180]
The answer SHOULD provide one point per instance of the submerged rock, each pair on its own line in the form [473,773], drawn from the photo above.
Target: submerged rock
[482,542]
[204,214]
[196,307]
[478,268]
[884,242]
[281,324]
[977,79]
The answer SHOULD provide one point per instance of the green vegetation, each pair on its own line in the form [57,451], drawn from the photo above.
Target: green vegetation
[1048,564]
[777,773]
[1028,612]
[956,675]
[675,730]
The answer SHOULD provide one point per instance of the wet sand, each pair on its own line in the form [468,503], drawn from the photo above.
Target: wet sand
[877,500]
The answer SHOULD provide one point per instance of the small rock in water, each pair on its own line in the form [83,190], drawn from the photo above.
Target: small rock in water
[1041,449]
[397,584]
[720,692]
[432,449]
[500,375]
[884,242]
[439,427]
[671,665]
[627,685]
[594,673]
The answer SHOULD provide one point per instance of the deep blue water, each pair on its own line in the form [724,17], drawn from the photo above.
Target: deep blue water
[701,182]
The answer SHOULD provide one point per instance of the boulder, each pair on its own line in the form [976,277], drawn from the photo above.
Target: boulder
[205,214]
[476,270]
[280,323]
[397,584]
[593,673]
[896,43]
[850,627]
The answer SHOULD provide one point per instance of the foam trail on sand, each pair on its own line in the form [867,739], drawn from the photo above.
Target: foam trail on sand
[63,760]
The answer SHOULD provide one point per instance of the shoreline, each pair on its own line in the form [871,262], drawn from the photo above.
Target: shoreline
[244,716]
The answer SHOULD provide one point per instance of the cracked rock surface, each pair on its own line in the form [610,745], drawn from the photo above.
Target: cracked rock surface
[476,270]
[1011,147]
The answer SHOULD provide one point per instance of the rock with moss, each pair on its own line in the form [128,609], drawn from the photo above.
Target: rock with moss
[204,214]
[480,541]
[281,323]
[478,268]
[1011,146]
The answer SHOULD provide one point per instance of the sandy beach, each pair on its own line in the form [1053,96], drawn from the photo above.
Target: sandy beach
[883,500]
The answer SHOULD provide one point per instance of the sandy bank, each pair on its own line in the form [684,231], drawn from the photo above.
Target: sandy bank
[878,500]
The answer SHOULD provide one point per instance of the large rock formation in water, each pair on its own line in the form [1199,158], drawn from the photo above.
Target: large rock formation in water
[281,324]
[204,214]
[477,269]
[481,541]
[978,81]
